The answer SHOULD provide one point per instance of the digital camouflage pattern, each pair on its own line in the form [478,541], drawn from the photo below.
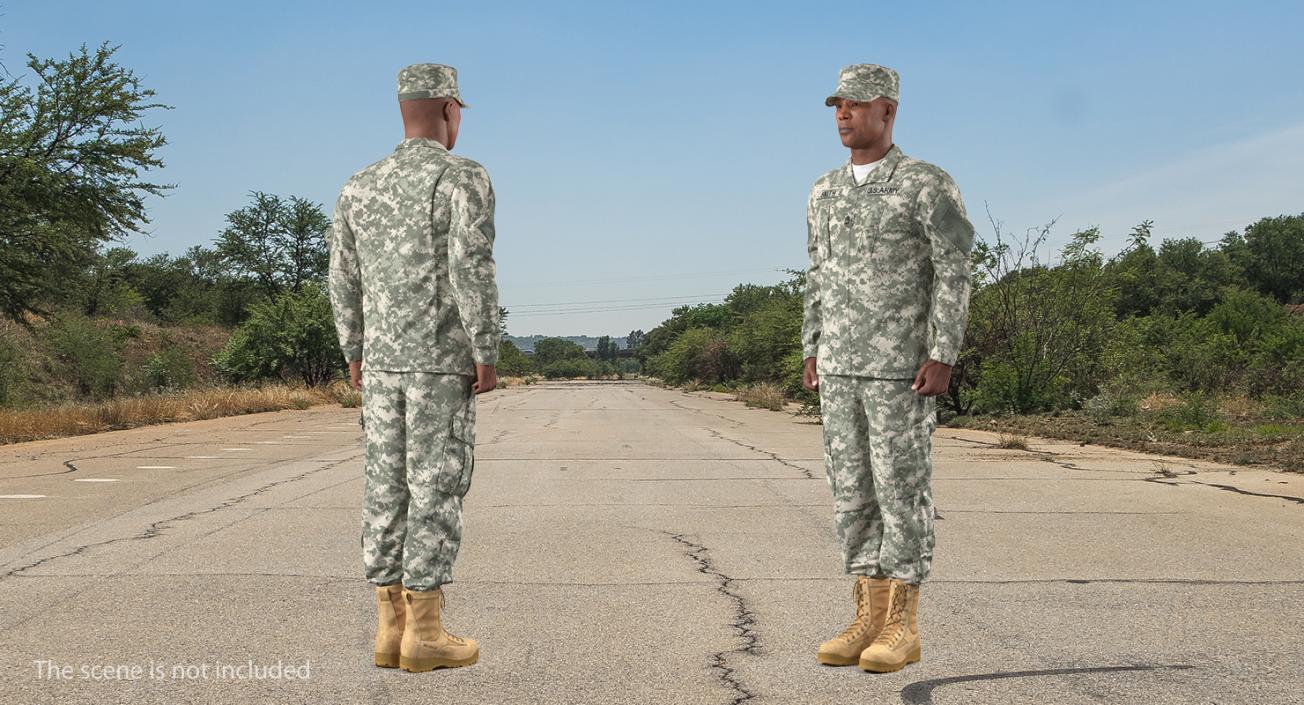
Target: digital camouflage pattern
[411,256]
[423,81]
[865,82]
[420,441]
[877,452]
[888,284]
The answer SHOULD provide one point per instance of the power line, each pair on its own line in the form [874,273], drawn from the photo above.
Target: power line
[611,301]
[529,314]
[654,277]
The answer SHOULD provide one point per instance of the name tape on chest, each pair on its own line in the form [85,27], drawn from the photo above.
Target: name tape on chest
[866,190]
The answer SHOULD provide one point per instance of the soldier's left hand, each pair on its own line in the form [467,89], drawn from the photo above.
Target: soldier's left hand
[933,378]
[355,375]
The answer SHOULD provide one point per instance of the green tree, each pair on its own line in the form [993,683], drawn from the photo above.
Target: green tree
[104,287]
[290,335]
[72,150]
[511,361]
[550,350]
[279,244]
[1272,255]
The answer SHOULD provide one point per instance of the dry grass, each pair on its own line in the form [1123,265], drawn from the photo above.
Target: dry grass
[1011,441]
[515,381]
[75,419]
[763,395]
[1158,401]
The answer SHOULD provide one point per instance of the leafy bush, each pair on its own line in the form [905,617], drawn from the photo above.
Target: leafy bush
[90,356]
[1195,412]
[699,354]
[169,369]
[291,335]
[568,368]
[511,361]
[11,372]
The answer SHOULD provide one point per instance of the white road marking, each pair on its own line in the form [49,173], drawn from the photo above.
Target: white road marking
[270,443]
[204,457]
[237,449]
[21,496]
[96,479]
[156,467]
[293,436]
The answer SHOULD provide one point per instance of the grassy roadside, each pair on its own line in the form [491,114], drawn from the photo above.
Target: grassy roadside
[1237,430]
[73,419]
[1277,445]
[79,418]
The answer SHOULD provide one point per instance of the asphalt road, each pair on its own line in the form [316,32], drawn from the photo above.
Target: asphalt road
[629,544]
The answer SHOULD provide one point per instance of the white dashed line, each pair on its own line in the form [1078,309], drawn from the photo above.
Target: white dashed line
[96,479]
[205,457]
[297,437]
[237,449]
[21,496]
[156,467]
[270,443]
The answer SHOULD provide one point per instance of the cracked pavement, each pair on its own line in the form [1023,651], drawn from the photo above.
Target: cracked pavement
[630,544]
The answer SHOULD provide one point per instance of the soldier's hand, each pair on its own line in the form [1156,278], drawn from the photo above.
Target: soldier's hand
[810,379]
[932,379]
[355,375]
[486,378]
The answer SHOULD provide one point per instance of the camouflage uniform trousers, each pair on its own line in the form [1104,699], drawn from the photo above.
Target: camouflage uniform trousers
[420,441]
[878,455]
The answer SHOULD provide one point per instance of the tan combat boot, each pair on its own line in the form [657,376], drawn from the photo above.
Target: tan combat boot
[898,644]
[426,645]
[389,631]
[870,596]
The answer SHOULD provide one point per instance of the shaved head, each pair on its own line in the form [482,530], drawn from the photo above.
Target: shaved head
[433,118]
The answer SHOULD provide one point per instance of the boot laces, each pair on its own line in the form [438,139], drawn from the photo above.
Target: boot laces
[895,626]
[449,635]
[863,618]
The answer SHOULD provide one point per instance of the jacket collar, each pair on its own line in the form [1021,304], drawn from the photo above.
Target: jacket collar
[882,173]
[410,142]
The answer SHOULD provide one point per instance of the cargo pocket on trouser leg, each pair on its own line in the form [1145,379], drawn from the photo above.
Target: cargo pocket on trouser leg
[459,452]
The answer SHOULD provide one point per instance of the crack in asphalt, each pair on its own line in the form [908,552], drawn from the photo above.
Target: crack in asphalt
[156,528]
[743,622]
[677,405]
[775,456]
[1160,478]
[921,692]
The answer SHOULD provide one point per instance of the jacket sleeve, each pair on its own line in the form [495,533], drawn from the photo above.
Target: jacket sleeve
[812,315]
[345,285]
[471,269]
[950,237]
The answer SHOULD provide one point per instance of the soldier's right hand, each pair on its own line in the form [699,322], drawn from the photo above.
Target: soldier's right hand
[810,379]
[486,378]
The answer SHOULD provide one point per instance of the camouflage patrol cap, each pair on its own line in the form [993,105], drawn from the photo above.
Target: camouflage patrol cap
[421,81]
[865,82]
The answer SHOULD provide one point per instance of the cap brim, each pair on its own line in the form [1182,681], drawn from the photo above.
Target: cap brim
[829,100]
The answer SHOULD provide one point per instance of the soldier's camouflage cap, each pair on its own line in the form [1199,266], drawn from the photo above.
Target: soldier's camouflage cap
[865,82]
[421,81]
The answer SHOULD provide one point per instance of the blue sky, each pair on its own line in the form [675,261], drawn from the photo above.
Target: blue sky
[650,153]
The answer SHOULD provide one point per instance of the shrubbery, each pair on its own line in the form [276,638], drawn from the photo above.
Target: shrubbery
[1080,332]
[291,335]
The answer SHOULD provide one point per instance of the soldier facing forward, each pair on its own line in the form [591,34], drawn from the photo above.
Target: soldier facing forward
[886,298]
[413,292]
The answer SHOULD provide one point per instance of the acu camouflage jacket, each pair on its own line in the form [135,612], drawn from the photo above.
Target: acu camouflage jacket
[889,278]
[411,263]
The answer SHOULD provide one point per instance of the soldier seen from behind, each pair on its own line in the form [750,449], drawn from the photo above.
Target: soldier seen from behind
[412,285]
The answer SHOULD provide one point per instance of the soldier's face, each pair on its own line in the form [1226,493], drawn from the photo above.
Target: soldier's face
[860,124]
